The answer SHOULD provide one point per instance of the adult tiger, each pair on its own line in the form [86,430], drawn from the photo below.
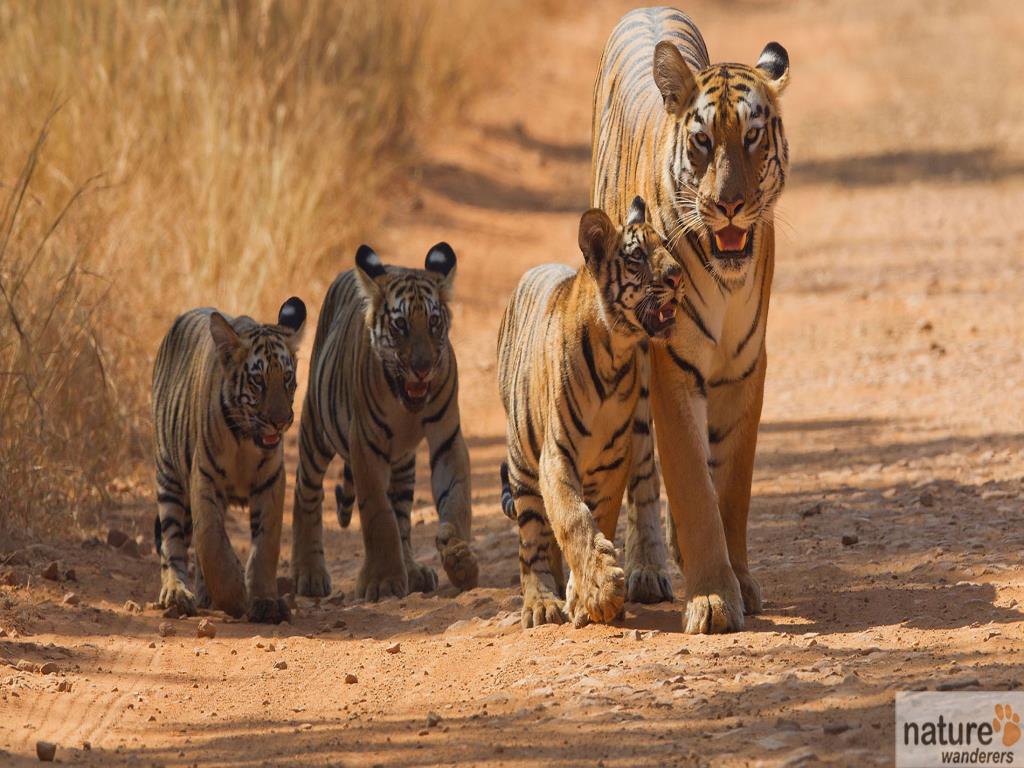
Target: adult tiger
[704,144]
[222,398]
[572,369]
[383,376]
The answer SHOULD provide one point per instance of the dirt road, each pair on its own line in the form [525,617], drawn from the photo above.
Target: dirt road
[892,422]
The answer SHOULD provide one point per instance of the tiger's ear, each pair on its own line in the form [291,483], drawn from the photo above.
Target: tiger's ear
[369,270]
[292,315]
[774,65]
[596,232]
[637,212]
[441,259]
[673,78]
[230,349]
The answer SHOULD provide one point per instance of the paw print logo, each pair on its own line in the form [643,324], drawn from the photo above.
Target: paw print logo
[1007,721]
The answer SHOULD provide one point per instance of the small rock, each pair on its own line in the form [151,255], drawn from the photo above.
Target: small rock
[52,571]
[87,746]
[130,548]
[116,538]
[70,575]
[337,598]
[152,644]
[71,599]
[64,686]
[394,648]
[849,539]
[811,511]
[925,326]
[46,751]
[48,668]
[281,664]
[927,499]
[166,629]
[350,678]
[131,606]
[637,634]
[24,665]
[306,727]
[433,720]
[834,729]
[206,628]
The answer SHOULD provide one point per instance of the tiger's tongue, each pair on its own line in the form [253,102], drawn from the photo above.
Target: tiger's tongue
[731,238]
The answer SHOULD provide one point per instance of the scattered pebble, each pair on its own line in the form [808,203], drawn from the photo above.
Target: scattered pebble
[834,729]
[206,628]
[281,664]
[849,539]
[350,678]
[394,648]
[927,499]
[166,629]
[132,607]
[433,719]
[46,751]
[48,668]
[71,599]
[52,571]
[116,538]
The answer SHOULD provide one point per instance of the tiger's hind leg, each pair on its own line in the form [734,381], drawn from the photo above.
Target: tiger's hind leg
[173,524]
[540,560]
[422,578]
[309,567]
[345,496]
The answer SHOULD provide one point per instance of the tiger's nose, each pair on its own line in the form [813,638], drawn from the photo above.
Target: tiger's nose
[730,207]
[421,369]
[672,277]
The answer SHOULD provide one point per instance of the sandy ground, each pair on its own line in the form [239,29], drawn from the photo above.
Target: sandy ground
[892,415]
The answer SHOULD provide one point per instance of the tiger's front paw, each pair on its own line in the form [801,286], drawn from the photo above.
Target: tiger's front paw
[647,584]
[751,591]
[458,559]
[541,607]
[175,594]
[375,584]
[311,577]
[600,591]
[422,578]
[269,610]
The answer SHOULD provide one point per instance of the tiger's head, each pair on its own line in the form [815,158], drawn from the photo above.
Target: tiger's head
[728,158]
[408,318]
[636,275]
[259,372]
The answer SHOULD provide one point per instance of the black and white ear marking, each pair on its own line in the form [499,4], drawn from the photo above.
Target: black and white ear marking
[774,62]
[369,262]
[637,212]
[292,314]
[440,259]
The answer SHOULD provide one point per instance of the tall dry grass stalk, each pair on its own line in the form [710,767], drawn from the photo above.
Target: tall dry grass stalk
[234,150]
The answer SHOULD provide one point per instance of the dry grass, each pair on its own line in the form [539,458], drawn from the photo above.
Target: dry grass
[203,154]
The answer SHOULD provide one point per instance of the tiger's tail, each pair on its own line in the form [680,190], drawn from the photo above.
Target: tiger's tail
[508,505]
[344,495]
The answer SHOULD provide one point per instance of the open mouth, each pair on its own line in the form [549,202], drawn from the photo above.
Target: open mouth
[659,322]
[415,393]
[732,245]
[268,439]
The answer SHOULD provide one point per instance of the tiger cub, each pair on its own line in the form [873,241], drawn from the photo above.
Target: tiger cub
[222,399]
[383,377]
[572,370]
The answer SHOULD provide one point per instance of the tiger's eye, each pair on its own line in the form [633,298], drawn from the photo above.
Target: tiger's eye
[752,136]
